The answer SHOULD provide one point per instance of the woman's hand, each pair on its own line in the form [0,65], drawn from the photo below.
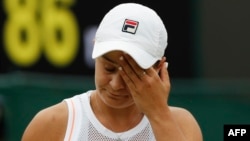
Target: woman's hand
[150,88]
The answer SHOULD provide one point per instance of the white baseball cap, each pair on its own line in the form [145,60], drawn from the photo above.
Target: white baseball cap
[134,29]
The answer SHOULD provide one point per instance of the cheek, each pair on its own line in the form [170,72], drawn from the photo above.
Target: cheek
[101,79]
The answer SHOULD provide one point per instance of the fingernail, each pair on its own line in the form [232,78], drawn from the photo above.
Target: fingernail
[121,58]
[120,68]
[166,65]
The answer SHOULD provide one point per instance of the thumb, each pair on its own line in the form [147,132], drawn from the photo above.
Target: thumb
[164,72]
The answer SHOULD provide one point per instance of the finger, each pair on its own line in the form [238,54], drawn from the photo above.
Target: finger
[130,84]
[154,71]
[136,68]
[151,72]
[164,72]
[166,65]
[129,71]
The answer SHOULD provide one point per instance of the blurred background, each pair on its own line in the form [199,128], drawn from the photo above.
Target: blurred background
[45,56]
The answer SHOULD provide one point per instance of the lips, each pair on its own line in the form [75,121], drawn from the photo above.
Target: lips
[117,96]
[114,94]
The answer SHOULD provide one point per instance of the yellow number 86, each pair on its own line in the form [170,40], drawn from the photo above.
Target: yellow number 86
[26,36]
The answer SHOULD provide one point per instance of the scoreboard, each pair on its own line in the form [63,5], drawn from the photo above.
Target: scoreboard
[56,36]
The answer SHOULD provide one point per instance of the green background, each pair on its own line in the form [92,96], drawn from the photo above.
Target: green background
[213,102]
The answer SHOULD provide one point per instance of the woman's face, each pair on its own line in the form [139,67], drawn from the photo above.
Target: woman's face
[109,84]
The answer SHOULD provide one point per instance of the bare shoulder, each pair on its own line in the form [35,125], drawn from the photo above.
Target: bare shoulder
[48,124]
[180,112]
[187,122]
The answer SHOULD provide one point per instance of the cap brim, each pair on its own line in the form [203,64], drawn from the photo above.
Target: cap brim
[142,58]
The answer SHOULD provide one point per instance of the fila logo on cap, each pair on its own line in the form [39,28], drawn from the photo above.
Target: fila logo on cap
[130,26]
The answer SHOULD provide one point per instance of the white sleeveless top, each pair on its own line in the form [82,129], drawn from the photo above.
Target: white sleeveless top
[84,126]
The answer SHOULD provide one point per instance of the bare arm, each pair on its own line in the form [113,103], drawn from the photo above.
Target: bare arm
[150,91]
[49,124]
[176,124]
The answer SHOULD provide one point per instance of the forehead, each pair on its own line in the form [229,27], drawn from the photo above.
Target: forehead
[114,53]
[113,56]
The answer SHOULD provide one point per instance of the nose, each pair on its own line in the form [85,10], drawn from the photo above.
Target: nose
[117,82]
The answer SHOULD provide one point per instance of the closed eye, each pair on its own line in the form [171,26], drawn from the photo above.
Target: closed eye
[110,69]
[109,66]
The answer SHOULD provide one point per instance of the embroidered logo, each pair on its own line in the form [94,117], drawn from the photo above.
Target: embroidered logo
[130,26]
